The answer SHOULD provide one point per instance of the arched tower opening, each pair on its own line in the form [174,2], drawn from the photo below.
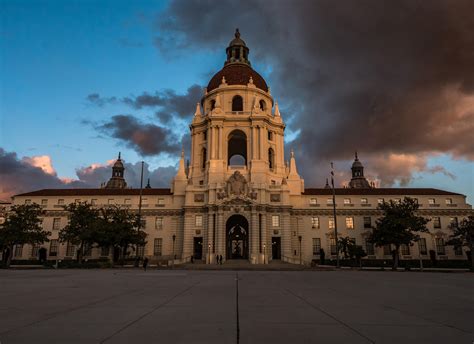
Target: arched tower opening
[271,159]
[237,103]
[237,148]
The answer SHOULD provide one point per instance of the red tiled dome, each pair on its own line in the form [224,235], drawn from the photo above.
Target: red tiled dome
[237,74]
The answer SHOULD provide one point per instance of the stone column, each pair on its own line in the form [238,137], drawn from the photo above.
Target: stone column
[210,236]
[286,234]
[254,237]
[266,246]
[188,234]
[220,234]
[219,143]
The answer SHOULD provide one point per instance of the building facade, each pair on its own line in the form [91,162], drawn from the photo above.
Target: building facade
[240,198]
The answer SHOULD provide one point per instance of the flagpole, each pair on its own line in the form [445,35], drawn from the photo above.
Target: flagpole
[334,214]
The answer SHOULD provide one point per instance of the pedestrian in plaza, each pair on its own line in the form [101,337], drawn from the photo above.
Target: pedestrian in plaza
[145,263]
[217,259]
[220,259]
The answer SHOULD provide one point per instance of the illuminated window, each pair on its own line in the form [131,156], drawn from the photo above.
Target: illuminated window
[198,220]
[380,201]
[276,220]
[315,222]
[349,222]
[449,201]
[329,201]
[159,223]
[27,201]
[144,201]
[44,202]
[110,201]
[60,201]
[431,201]
[56,223]
[331,222]
[363,201]
[347,201]
[161,201]
[313,201]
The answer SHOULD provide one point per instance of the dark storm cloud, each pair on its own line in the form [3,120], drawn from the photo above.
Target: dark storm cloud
[388,78]
[97,100]
[145,138]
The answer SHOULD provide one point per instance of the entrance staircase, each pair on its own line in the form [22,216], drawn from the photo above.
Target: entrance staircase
[242,264]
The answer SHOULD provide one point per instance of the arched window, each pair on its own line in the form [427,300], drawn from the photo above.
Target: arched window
[237,148]
[271,159]
[213,104]
[204,158]
[263,105]
[237,103]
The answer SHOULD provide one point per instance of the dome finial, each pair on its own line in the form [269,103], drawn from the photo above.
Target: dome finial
[356,158]
[118,156]
[237,33]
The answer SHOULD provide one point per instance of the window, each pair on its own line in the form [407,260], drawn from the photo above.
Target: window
[270,135]
[53,247]
[367,222]
[198,220]
[449,201]
[422,246]
[34,250]
[93,201]
[363,201]
[157,247]
[271,159]
[161,201]
[70,250]
[104,251]
[458,250]
[144,201]
[143,223]
[329,201]
[262,104]
[387,250]
[333,246]
[56,223]
[18,251]
[313,201]
[369,247]
[347,201]
[203,158]
[204,135]
[440,248]
[436,222]
[127,201]
[405,249]
[331,222]
[159,223]
[60,201]
[237,104]
[110,201]
[349,222]
[27,201]
[315,222]
[316,246]
[380,201]
[275,220]
[44,202]
[453,221]
[141,250]
[431,201]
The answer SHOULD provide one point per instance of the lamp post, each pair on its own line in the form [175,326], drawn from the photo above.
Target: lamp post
[299,238]
[174,239]
[137,261]
[209,252]
[264,253]
[334,214]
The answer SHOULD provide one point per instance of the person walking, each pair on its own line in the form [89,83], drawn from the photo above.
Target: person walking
[145,263]
[220,259]
[217,259]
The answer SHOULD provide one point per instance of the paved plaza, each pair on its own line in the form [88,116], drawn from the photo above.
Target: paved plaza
[182,306]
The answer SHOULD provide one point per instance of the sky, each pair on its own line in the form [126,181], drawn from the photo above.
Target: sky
[82,80]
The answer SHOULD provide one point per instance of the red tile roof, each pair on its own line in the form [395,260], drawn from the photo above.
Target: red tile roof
[379,191]
[95,192]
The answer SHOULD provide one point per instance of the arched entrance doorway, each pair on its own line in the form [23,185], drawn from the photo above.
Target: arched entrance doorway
[237,237]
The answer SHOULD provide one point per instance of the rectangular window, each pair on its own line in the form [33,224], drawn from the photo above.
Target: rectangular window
[27,201]
[440,248]
[144,201]
[56,223]
[364,201]
[458,250]
[34,250]
[127,201]
[367,222]
[331,223]
[349,222]
[142,223]
[141,250]
[329,201]
[270,135]
[276,220]
[380,201]
[53,247]
[18,251]
[60,201]
[436,222]
[369,247]
[453,221]
[159,223]
[44,202]
[316,246]
[93,201]
[347,201]
[104,251]
[110,201]
[70,250]
[313,201]
[333,246]
[449,201]
[405,249]
[157,247]
[161,201]
[387,250]
[198,220]
[431,201]
[422,246]
[315,222]
[204,135]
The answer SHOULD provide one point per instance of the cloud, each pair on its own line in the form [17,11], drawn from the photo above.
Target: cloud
[389,79]
[147,139]
[34,173]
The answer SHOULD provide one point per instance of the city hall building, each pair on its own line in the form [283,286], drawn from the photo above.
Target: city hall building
[240,198]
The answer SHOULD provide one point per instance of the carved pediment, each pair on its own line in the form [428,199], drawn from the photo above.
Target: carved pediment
[236,188]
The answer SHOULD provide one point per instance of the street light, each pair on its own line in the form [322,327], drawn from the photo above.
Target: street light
[137,260]
[299,238]
[209,252]
[334,214]
[264,252]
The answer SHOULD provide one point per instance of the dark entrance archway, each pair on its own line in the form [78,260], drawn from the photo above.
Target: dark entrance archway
[237,237]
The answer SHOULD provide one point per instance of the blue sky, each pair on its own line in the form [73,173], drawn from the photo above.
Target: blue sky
[53,54]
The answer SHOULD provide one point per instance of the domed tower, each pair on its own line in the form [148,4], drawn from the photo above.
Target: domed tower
[117,181]
[358,180]
[237,127]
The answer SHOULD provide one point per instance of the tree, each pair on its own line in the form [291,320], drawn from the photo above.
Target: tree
[118,228]
[463,235]
[81,229]
[356,252]
[23,225]
[344,244]
[399,225]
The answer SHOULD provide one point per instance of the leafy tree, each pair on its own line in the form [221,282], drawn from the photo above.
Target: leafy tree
[399,225]
[356,252]
[463,235]
[23,225]
[344,244]
[81,229]
[118,228]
